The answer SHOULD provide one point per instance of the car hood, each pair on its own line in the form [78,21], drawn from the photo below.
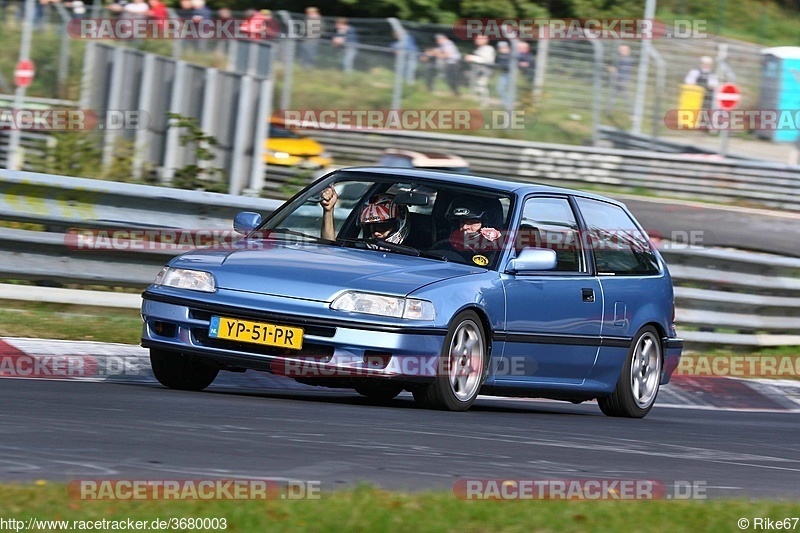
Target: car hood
[318,272]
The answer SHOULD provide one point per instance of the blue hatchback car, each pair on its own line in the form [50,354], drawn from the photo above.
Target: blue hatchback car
[445,285]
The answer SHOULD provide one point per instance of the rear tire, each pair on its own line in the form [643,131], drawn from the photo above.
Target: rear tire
[379,391]
[637,387]
[178,371]
[461,369]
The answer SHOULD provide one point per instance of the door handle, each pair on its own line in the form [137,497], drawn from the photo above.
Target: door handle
[588,295]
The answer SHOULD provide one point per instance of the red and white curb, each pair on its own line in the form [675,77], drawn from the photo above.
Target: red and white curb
[24,358]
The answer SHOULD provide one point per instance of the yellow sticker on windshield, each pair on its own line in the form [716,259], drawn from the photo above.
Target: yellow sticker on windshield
[480,260]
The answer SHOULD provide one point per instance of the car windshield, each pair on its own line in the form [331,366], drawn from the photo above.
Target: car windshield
[279,132]
[440,221]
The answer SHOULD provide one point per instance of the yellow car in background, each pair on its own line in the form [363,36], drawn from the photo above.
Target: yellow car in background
[287,148]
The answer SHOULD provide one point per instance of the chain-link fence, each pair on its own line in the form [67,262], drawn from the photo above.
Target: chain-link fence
[328,63]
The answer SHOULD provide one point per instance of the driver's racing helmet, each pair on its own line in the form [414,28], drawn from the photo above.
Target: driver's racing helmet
[382,209]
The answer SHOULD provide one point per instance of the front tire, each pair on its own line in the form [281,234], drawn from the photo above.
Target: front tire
[462,366]
[178,371]
[639,381]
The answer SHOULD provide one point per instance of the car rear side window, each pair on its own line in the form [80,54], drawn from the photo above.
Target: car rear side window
[620,247]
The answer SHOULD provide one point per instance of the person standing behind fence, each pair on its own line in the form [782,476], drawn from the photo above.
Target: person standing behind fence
[136,9]
[346,37]
[309,47]
[501,63]
[158,12]
[408,46]
[619,77]
[705,78]
[451,58]
[482,60]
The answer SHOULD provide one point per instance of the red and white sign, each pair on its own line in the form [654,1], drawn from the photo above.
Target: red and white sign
[728,96]
[23,74]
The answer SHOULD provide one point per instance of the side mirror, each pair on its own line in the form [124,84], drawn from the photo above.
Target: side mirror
[245,222]
[411,198]
[533,260]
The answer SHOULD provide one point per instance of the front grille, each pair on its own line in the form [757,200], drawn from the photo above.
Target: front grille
[319,352]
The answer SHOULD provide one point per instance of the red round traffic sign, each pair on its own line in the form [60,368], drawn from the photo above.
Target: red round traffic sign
[23,74]
[728,96]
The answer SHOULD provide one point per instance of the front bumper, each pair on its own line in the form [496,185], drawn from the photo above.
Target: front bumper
[313,162]
[332,349]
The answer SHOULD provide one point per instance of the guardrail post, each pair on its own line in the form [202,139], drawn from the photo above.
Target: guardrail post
[233,46]
[177,45]
[641,80]
[288,51]
[114,98]
[400,59]
[724,68]
[259,167]
[87,86]
[142,140]
[510,99]
[542,53]
[63,57]
[242,131]
[173,135]
[661,68]
[14,155]
[208,112]
[597,95]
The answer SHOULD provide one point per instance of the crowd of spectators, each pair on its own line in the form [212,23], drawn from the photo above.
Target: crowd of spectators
[442,58]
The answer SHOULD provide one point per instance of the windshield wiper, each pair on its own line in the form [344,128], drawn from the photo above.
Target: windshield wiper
[399,248]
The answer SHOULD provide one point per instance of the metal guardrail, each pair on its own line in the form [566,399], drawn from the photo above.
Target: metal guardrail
[30,142]
[725,181]
[723,296]
[80,202]
[626,140]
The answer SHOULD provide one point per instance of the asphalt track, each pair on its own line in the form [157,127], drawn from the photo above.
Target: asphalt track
[66,430]
[761,230]
[62,431]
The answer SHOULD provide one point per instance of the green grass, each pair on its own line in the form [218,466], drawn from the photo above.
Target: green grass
[544,122]
[763,22]
[370,509]
[69,322]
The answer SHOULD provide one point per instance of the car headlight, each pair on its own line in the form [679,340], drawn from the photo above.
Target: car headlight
[182,278]
[383,305]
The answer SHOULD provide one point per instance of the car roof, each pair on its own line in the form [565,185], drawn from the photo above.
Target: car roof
[508,186]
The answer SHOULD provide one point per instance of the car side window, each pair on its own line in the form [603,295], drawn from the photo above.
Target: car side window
[620,248]
[550,223]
